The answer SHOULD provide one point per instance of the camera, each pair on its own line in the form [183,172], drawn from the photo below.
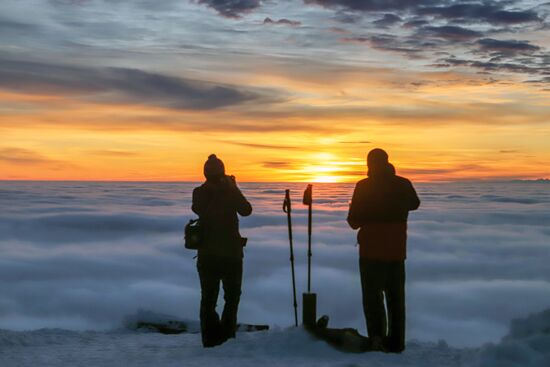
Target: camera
[230,179]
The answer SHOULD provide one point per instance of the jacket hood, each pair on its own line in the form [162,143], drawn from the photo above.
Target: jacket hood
[385,170]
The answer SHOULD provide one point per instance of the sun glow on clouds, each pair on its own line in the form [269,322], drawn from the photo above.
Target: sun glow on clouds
[325,179]
[155,109]
[327,169]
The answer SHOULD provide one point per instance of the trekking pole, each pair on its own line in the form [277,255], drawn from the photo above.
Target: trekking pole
[309,300]
[287,208]
[308,200]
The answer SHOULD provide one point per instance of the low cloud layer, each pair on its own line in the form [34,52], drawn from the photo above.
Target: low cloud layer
[84,255]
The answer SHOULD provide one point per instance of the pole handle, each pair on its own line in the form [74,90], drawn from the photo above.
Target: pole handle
[287,208]
[308,195]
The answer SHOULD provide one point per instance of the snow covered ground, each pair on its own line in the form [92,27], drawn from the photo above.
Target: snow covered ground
[274,348]
[527,345]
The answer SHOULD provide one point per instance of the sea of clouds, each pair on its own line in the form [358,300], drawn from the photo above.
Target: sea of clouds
[81,256]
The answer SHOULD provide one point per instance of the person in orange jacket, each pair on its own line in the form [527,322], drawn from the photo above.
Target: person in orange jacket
[379,209]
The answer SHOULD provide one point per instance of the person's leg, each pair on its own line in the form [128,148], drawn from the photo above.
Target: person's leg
[395,299]
[372,279]
[231,280]
[210,285]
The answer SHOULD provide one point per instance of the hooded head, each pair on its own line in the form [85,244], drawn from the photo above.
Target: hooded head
[213,168]
[377,162]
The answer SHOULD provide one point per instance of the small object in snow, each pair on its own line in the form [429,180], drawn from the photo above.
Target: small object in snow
[323,321]
[169,327]
[144,320]
[251,328]
[346,340]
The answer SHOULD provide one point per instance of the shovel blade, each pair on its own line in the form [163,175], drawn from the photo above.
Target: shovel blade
[309,309]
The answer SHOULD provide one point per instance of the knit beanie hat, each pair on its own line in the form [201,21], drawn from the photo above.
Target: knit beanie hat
[213,167]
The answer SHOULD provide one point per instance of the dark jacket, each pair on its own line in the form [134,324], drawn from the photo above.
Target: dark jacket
[380,207]
[217,204]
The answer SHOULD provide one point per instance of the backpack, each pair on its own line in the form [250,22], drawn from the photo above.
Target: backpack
[193,234]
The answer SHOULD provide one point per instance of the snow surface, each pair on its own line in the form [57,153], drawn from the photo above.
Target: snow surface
[289,347]
[526,345]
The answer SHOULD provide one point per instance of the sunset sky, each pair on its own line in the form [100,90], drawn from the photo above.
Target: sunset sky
[281,90]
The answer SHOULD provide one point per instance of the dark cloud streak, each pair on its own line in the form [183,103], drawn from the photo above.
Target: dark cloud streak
[232,8]
[387,42]
[278,165]
[449,33]
[478,12]
[118,85]
[372,5]
[492,66]
[264,146]
[282,21]
[387,20]
[11,27]
[506,47]
[19,156]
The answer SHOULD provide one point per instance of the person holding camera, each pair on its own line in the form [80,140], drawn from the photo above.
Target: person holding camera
[220,258]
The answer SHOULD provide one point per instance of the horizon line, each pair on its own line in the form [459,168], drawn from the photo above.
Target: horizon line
[486,180]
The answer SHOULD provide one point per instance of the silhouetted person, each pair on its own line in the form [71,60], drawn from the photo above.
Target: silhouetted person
[379,208]
[220,257]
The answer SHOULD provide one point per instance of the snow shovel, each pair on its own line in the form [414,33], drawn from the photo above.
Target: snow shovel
[309,307]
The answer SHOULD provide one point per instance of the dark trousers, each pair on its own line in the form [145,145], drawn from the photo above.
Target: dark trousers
[212,271]
[384,280]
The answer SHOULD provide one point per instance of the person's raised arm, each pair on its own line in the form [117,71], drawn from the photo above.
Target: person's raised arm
[241,204]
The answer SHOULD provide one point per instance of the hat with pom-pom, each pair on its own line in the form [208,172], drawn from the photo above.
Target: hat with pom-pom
[213,167]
